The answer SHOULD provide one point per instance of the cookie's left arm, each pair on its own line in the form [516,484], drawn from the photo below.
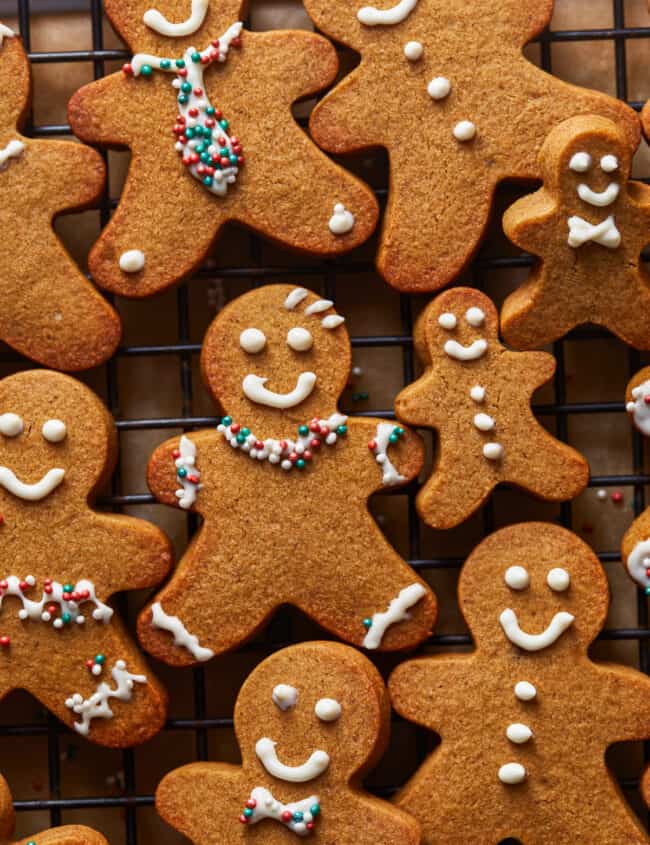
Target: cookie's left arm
[103,112]
[528,223]
[625,693]
[74,174]
[397,451]
[303,63]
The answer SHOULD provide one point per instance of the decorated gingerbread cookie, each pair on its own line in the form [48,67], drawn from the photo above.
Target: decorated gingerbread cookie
[51,312]
[60,639]
[588,224]
[311,721]
[282,485]
[477,395]
[452,133]
[525,719]
[635,551]
[637,400]
[210,144]
[69,835]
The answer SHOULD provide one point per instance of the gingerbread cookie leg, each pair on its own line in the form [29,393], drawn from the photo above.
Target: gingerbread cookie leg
[533,317]
[452,494]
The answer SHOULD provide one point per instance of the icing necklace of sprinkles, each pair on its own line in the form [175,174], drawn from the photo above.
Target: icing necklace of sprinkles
[207,150]
[286,453]
[299,816]
[66,598]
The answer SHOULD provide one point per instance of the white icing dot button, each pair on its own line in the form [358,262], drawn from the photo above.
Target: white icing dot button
[519,733]
[132,261]
[342,221]
[484,422]
[477,393]
[512,773]
[413,50]
[517,578]
[558,579]
[447,321]
[465,130]
[439,88]
[493,451]
[525,691]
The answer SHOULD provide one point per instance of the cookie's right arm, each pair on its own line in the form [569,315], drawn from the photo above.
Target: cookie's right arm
[432,691]
[528,223]
[102,112]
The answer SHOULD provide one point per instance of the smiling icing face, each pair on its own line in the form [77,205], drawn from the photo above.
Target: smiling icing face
[463,332]
[276,356]
[40,454]
[521,599]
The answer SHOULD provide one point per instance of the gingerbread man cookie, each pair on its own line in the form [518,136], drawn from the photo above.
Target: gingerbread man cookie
[59,638]
[637,400]
[69,835]
[635,551]
[588,225]
[211,144]
[476,394]
[311,720]
[51,312]
[526,718]
[283,485]
[452,133]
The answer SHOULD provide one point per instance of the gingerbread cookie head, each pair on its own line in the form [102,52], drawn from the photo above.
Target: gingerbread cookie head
[171,26]
[461,325]
[587,161]
[56,440]
[312,713]
[557,598]
[276,356]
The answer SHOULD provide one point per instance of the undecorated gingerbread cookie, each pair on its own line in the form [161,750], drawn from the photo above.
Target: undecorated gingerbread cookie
[476,394]
[68,835]
[50,312]
[60,639]
[526,718]
[205,108]
[588,224]
[444,87]
[282,485]
[311,720]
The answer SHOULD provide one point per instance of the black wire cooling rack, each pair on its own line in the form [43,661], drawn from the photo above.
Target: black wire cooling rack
[325,274]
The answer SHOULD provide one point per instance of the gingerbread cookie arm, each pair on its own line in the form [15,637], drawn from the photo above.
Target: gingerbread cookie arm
[216,785]
[451,494]
[175,475]
[631,690]
[431,691]
[140,554]
[101,112]
[389,824]
[397,451]
[526,221]
[339,122]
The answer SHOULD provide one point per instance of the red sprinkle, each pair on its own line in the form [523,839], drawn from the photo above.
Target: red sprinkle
[127,69]
[646,399]
[235,428]
[251,803]
[315,443]
[617,498]
[259,444]
[372,445]
[243,819]
[286,816]
[5,641]
[176,453]
[307,455]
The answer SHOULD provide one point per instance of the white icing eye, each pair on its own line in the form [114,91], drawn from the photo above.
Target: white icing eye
[328,710]
[284,696]
[475,316]
[447,321]
[252,341]
[580,162]
[54,430]
[517,578]
[11,425]
[558,580]
[300,340]
[609,163]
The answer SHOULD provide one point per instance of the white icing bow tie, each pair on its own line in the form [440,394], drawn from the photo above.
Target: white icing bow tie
[606,234]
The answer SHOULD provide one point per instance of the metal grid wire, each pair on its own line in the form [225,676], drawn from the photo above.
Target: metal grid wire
[327,271]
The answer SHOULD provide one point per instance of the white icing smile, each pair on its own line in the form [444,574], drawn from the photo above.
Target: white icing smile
[599,198]
[253,387]
[466,353]
[158,22]
[534,642]
[370,16]
[312,768]
[31,492]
